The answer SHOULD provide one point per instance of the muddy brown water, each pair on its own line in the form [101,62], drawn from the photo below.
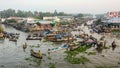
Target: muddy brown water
[13,56]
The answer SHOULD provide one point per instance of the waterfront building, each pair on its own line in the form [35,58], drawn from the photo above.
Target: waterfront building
[43,25]
[113,23]
[59,18]
[112,14]
[51,18]
[17,19]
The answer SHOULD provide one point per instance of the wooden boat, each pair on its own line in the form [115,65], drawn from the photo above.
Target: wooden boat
[33,38]
[73,48]
[50,38]
[70,39]
[50,35]
[61,40]
[36,55]
[58,48]
[1,35]
[17,33]
[13,39]
[57,40]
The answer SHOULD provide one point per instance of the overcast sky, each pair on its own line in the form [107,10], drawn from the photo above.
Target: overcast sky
[68,6]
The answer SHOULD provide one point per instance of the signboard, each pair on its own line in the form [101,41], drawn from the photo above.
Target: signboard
[113,14]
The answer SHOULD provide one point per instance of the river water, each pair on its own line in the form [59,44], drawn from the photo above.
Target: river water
[13,56]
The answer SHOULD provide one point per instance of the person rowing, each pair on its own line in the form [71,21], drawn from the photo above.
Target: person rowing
[113,44]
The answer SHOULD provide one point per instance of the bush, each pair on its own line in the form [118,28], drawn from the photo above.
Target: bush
[11,21]
[71,55]
[116,31]
[73,60]
[91,53]
[49,58]
[52,65]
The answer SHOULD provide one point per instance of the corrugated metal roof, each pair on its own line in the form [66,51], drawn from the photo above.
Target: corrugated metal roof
[114,20]
[45,22]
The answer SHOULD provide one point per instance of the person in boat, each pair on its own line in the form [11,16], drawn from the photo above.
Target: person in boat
[31,51]
[113,45]
[90,42]
[99,47]
[100,44]
[91,31]
[102,40]
[40,34]
[104,43]
[94,40]
[49,52]
[24,46]
[39,53]
[83,42]
[91,37]
[3,35]
[86,37]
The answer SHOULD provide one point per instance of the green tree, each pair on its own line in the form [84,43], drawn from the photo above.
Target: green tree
[80,15]
[19,13]
[61,13]
[55,13]
[11,21]
[7,13]
[98,21]
[39,24]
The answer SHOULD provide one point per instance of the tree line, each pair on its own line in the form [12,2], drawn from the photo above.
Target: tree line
[37,14]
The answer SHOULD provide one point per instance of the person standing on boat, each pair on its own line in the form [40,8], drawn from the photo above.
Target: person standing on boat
[104,43]
[40,54]
[102,40]
[99,47]
[113,45]
[68,46]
